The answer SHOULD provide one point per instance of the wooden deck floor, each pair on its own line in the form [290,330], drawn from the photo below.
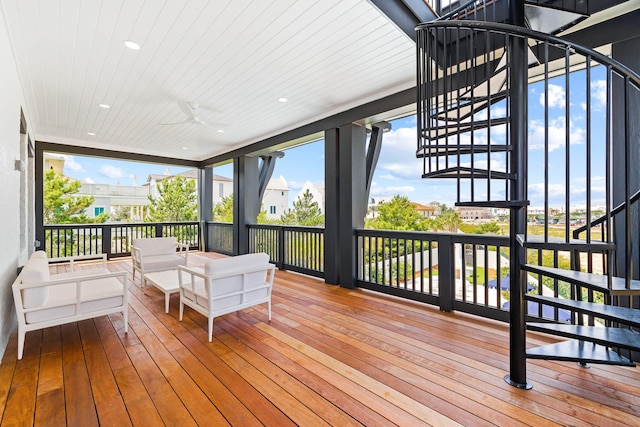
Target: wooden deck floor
[330,356]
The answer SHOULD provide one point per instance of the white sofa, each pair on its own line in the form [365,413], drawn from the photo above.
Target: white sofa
[226,285]
[157,254]
[43,299]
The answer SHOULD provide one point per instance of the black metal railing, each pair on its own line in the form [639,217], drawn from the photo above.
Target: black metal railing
[460,272]
[219,237]
[113,239]
[454,271]
[294,248]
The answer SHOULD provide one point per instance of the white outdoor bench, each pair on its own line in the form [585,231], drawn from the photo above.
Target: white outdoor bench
[43,299]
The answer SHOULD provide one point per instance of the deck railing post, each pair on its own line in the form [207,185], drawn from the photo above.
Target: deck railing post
[106,240]
[281,248]
[446,272]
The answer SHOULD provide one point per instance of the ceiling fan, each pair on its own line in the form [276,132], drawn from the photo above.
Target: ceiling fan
[189,109]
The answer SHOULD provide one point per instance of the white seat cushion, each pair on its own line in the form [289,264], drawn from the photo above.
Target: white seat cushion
[155,245]
[168,262]
[36,270]
[96,295]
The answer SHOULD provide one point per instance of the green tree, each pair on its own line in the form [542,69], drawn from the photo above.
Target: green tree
[398,214]
[61,206]
[484,228]
[121,213]
[305,212]
[447,220]
[177,201]
[223,211]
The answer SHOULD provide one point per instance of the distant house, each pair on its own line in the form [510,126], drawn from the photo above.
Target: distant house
[108,198]
[425,211]
[275,200]
[276,197]
[474,214]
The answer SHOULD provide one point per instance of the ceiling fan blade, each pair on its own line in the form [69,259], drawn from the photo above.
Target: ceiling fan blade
[188,108]
[175,123]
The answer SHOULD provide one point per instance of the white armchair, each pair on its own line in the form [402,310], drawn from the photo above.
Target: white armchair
[226,285]
[157,254]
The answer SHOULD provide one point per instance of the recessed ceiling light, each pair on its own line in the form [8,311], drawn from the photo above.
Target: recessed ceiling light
[185,148]
[104,106]
[91,134]
[282,99]
[132,45]
[220,130]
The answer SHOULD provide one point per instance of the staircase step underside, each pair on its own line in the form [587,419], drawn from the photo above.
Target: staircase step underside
[467,173]
[623,315]
[493,85]
[453,129]
[578,351]
[560,244]
[597,282]
[494,203]
[550,20]
[608,337]
[462,149]
[458,112]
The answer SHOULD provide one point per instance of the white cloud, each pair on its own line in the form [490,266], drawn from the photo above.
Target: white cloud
[71,164]
[403,190]
[399,159]
[557,134]
[295,185]
[111,171]
[88,180]
[388,176]
[557,96]
[599,91]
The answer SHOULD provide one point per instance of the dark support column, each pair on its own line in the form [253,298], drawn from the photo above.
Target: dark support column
[331,205]
[373,152]
[345,201]
[266,171]
[628,53]
[246,204]
[39,201]
[517,52]
[205,203]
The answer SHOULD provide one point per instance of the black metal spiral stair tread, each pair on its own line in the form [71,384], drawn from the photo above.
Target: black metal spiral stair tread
[597,282]
[462,149]
[458,128]
[578,351]
[623,315]
[494,203]
[609,337]
[466,172]
[560,244]
[464,110]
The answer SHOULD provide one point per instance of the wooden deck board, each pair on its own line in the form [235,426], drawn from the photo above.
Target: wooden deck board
[330,356]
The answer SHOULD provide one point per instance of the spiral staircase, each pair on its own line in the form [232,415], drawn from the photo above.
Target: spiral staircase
[507,106]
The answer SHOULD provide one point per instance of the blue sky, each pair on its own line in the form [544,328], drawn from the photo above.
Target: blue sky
[399,171]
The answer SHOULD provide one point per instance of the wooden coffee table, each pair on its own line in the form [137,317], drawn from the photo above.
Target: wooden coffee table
[166,281]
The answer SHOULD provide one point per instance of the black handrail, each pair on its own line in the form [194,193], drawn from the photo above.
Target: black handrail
[618,67]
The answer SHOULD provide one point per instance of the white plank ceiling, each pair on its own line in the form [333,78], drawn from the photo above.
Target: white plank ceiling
[235,58]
